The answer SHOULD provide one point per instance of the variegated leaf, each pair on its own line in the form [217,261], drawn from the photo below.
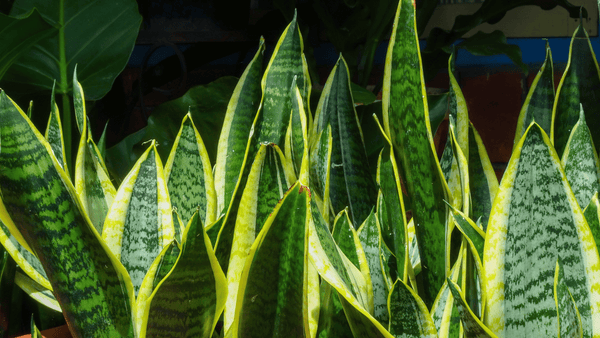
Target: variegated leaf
[54,133]
[272,290]
[37,292]
[580,162]
[190,299]
[535,219]
[580,84]
[189,175]
[592,216]
[569,321]
[409,316]
[473,327]
[139,223]
[233,139]
[540,99]
[267,183]
[350,183]
[90,284]
[320,169]
[444,312]
[482,178]
[406,122]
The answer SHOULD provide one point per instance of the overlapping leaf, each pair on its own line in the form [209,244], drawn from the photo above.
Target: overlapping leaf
[406,122]
[482,178]
[535,219]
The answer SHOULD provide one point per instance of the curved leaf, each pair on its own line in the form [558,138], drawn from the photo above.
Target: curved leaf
[483,179]
[473,327]
[408,314]
[569,321]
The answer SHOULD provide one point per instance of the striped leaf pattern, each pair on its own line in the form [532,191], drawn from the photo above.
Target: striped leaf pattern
[539,101]
[320,169]
[535,219]
[472,326]
[190,299]
[350,182]
[34,290]
[406,122]
[233,139]
[61,235]
[444,313]
[409,316]
[286,64]
[267,183]
[139,223]
[580,162]
[189,175]
[297,129]
[390,209]
[569,321]
[369,235]
[54,133]
[592,216]
[272,289]
[482,179]
[580,84]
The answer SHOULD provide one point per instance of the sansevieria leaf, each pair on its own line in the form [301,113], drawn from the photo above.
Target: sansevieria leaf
[473,327]
[139,223]
[92,183]
[406,122]
[90,284]
[409,316]
[444,312]
[272,289]
[267,183]
[350,184]
[233,139]
[54,133]
[189,175]
[580,162]
[320,170]
[286,64]
[539,101]
[569,321]
[592,216]
[190,299]
[580,84]
[41,294]
[482,178]
[536,219]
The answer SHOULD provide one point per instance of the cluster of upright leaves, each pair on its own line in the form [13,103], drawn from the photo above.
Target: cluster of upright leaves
[294,234]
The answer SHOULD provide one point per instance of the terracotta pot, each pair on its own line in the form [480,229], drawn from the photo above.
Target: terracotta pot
[57,332]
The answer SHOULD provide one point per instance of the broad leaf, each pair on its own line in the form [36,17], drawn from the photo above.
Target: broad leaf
[190,299]
[535,219]
[139,223]
[97,35]
[406,122]
[91,285]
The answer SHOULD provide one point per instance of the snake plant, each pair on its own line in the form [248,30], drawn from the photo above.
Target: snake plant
[294,234]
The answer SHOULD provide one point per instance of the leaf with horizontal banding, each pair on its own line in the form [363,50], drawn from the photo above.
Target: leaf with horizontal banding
[189,175]
[409,316]
[580,162]
[390,209]
[267,183]
[190,299]
[347,239]
[482,179]
[369,235]
[540,99]
[337,270]
[473,327]
[285,64]
[272,289]
[406,122]
[139,223]
[351,183]
[580,84]
[443,311]
[92,182]
[592,216]
[320,169]
[94,290]
[535,219]
[54,133]
[233,139]
[569,321]
[39,293]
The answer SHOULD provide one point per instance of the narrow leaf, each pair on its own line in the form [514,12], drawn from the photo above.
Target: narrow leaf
[37,292]
[592,216]
[473,327]
[408,314]
[482,178]
[444,313]
[569,321]
[54,133]
[233,139]
[406,122]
